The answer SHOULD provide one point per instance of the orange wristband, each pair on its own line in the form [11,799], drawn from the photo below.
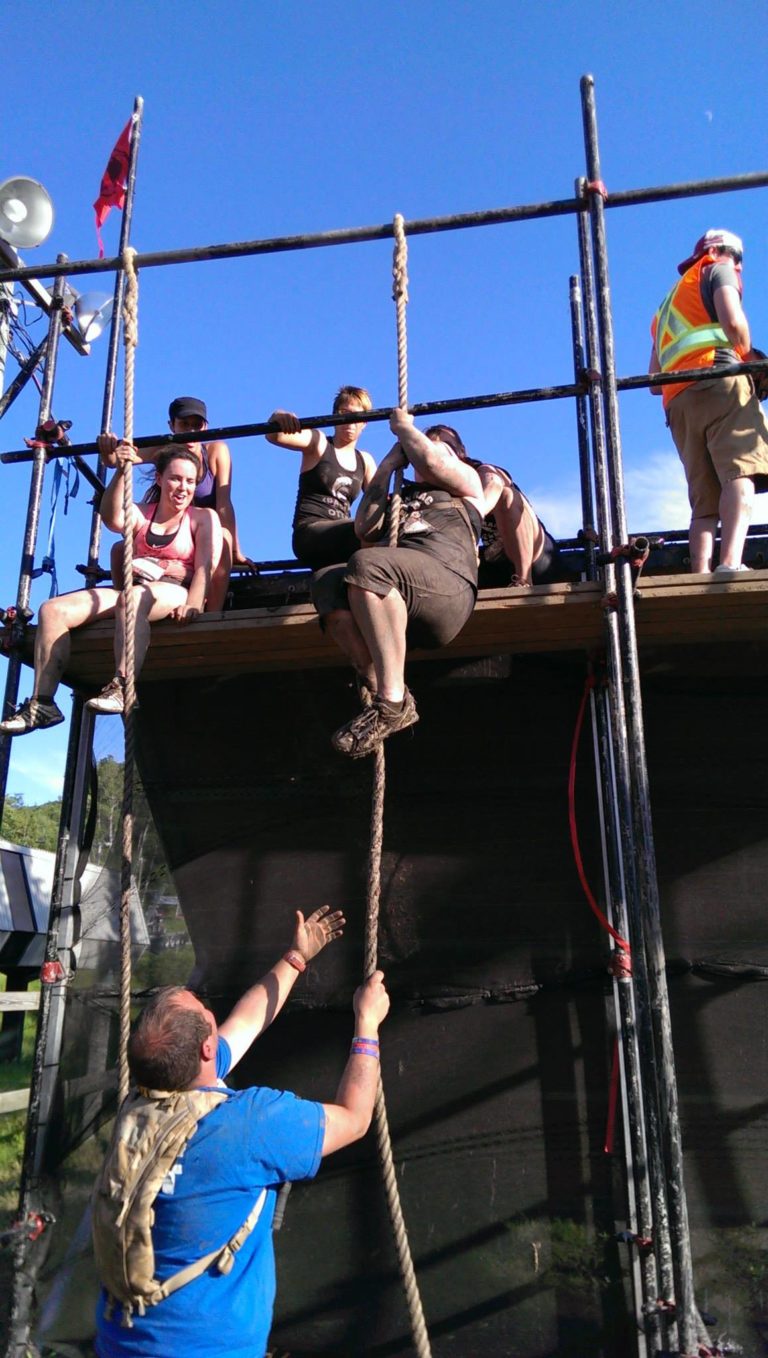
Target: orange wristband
[295,959]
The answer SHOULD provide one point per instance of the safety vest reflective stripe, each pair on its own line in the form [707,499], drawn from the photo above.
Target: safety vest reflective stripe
[678,336]
[698,337]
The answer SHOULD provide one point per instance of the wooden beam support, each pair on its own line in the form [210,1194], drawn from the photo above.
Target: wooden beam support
[684,609]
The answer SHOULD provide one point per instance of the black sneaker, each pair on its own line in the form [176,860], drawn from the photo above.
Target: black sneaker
[111,700]
[32,715]
[369,728]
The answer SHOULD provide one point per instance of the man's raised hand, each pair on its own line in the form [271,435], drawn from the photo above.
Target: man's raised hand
[321,927]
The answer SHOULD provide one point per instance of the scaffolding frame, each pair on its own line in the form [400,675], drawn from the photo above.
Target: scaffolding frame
[664,1302]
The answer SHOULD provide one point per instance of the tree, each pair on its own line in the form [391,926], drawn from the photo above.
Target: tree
[37,827]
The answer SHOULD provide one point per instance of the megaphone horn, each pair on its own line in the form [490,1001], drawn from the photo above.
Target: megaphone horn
[26,212]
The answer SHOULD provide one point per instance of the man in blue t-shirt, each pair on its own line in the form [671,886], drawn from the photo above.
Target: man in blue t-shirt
[257,1139]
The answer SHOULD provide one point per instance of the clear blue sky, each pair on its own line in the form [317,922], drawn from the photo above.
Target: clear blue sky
[267,119]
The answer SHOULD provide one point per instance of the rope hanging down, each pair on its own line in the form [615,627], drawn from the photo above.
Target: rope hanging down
[381,1123]
[130,340]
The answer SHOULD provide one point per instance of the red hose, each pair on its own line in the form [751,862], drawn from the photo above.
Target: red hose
[593,905]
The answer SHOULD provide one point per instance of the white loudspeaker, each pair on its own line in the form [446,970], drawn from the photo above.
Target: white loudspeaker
[92,312]
[26,212]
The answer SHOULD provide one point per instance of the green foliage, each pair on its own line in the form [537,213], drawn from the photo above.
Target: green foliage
[37,827]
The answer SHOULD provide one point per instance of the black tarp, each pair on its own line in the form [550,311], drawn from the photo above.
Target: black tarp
[497,1052]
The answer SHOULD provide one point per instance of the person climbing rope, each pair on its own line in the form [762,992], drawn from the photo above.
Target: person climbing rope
[517,548]
[177,548]
[333,472]
[191,1269]
[419,592]
[189,415]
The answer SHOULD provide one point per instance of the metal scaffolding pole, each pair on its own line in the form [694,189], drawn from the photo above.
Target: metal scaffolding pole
[108,401]
[47,1056]
[685,1305]
[651,1197]
[32,1244]
[558,207]
[39,459]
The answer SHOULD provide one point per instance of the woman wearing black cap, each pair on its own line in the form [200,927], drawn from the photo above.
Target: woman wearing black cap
[188,415]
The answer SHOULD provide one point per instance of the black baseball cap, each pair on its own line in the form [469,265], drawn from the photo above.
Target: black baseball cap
[187,405]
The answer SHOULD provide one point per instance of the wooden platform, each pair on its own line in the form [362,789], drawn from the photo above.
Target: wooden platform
[672,610]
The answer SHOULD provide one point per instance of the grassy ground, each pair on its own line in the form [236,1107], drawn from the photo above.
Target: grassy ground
[13,1075]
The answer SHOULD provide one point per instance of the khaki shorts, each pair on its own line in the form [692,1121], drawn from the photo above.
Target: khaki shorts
[721,434]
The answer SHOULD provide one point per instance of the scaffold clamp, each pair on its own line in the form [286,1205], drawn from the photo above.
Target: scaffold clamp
[641,1242]
[31,1228]
[52,972]
[51,434]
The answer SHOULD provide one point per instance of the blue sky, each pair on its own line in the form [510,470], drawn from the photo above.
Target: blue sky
[277,118]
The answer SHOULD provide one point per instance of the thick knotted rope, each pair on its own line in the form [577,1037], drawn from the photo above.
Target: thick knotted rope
[130,340]
[400,296]
[381,1123]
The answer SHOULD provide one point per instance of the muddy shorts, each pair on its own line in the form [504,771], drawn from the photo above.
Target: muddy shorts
[438,601]
[720,433]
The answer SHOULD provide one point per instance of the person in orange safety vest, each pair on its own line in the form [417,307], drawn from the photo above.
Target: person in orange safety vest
[718,425]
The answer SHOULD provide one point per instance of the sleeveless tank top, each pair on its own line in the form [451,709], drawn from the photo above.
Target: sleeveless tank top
[442,525]
[328,490]
[205,490]
[178,546]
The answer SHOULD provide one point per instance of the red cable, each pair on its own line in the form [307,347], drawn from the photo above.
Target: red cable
[594,907]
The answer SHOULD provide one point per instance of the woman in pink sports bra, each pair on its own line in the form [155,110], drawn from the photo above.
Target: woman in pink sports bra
[177,547]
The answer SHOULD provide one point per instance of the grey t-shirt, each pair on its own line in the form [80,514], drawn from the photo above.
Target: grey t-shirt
[719,275]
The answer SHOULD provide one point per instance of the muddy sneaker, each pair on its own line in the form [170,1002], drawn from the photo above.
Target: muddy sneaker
[111,700]
[32,715]
[369,728]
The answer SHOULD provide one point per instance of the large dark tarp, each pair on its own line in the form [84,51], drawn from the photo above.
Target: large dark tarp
[497,1051]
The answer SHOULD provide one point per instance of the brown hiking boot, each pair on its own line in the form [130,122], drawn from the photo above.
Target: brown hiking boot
[369,728]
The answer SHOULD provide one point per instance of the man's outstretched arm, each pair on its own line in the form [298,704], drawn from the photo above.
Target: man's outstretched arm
[263,1002]
[349,1117]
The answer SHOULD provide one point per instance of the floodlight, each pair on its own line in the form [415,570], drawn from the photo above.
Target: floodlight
[26,212]
[92,312]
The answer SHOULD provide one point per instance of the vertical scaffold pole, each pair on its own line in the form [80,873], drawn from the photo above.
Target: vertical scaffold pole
[31,529]
[611,732]
[582,431]
[50,1025]
[108,402]
[685,1306]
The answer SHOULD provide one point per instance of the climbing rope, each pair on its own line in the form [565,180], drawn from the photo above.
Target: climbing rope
[130,340]
[381,1122]
[400,296]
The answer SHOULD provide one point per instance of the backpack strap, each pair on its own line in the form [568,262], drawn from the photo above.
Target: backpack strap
[223,1257]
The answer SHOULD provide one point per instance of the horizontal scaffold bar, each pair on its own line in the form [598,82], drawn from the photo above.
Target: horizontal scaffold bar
[422,226]
[447,407]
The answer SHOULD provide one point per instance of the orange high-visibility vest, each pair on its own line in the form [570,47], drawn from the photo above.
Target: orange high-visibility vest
[683,331]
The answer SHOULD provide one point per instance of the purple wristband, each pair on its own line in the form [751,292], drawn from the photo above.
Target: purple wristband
[360,1048]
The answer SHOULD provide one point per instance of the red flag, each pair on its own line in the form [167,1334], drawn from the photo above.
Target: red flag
[113,182]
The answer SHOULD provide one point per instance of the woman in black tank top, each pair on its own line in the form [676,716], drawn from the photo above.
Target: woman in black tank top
[333,473]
